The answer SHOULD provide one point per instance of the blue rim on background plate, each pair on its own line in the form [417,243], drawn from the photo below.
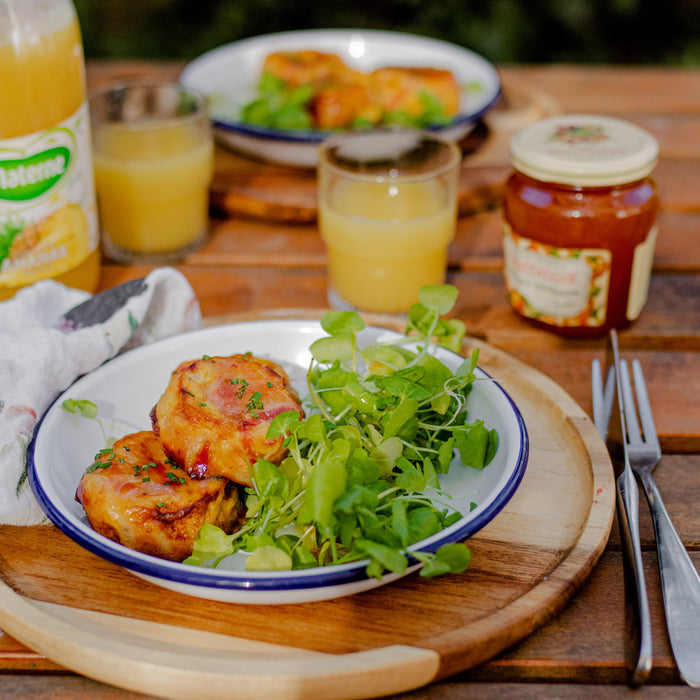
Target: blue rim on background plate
[126,387]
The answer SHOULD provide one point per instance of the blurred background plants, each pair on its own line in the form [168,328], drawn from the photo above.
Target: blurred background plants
[665,32]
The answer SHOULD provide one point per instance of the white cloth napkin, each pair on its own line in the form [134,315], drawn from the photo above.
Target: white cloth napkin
[46,344]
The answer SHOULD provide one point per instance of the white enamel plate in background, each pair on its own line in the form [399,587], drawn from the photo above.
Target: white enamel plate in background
[229,75]
[126,388]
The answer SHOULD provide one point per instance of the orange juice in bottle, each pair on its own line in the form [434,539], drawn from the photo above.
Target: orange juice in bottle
[48,218]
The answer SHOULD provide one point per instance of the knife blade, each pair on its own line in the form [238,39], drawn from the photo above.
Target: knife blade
[612,427]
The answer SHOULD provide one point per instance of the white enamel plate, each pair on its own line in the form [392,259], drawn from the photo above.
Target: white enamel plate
[229,75]
[126,388]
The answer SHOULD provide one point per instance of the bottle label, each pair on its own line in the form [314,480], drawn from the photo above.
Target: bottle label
[557,286]
[48,217]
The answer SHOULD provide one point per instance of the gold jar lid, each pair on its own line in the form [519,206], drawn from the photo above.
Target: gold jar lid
[584,150]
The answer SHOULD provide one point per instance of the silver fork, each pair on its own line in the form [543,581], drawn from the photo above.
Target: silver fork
[608,409]
[680,582]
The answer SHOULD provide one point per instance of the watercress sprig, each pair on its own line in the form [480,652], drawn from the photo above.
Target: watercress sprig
[361,478]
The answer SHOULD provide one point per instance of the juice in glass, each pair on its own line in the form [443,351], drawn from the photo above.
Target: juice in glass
[387,227]
[152,173]
[48,218]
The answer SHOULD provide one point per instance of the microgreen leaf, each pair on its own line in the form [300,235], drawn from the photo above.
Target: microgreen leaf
[386,556]
[281,423]
[449,559]
[212,543]
[386,453]
[473,444]
[337,347]
[86,408]
[327,483]
[341,322]
[268,479]
[438,297]
[268,558]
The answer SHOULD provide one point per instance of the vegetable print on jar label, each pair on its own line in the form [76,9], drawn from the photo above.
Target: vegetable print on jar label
[580,223]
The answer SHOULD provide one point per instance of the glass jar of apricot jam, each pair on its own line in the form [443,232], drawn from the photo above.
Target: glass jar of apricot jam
[580,223]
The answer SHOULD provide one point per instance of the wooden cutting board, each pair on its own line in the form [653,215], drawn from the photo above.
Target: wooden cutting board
[101,621]
[245,187]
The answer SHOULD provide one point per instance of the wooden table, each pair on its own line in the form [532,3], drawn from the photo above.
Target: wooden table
[252,263]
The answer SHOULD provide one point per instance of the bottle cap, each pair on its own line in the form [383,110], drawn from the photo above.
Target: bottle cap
[584,150]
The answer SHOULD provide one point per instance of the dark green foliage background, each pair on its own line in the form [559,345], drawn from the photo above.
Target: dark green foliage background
[504,31]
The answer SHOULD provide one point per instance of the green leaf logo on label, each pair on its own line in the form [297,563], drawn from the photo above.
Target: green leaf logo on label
[24,179]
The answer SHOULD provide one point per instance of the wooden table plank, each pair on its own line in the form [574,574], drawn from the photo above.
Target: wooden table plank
[477,245]
[616,88]
[71,687]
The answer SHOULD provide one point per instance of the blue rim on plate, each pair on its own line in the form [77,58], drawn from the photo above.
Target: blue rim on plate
[40,475]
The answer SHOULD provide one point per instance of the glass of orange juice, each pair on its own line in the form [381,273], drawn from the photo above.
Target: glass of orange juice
[387,206]
[153,159]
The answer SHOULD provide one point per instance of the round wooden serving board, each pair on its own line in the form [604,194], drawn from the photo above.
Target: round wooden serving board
[101,621]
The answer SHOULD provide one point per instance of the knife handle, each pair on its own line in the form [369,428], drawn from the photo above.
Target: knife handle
[639,644]
[680,584]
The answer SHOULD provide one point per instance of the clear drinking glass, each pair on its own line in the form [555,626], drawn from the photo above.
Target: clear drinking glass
[387,213]
[153,158]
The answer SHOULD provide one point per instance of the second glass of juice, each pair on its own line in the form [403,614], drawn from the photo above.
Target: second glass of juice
[387,213]
[153,158]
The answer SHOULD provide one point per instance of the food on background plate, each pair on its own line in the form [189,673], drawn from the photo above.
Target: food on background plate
[214,415]
[313,90]
[135,495]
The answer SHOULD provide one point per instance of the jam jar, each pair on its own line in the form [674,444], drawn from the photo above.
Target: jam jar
[580,223]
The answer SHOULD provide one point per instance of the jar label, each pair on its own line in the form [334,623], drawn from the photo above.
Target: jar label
[557,286]
[641,273]
[48,217]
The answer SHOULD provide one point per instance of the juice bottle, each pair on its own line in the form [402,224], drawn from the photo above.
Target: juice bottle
[48,217]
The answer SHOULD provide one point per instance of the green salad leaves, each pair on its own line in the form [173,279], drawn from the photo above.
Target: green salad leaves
[361,478]
[280,106]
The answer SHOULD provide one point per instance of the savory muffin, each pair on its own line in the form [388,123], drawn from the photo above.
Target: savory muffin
[134,494]
[213,417]
[343,104]
[401,88]
[309,67]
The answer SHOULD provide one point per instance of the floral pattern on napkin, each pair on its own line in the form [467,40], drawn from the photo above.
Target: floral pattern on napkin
[50,335]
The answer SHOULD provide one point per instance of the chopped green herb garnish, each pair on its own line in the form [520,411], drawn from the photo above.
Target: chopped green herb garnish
[254,403]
